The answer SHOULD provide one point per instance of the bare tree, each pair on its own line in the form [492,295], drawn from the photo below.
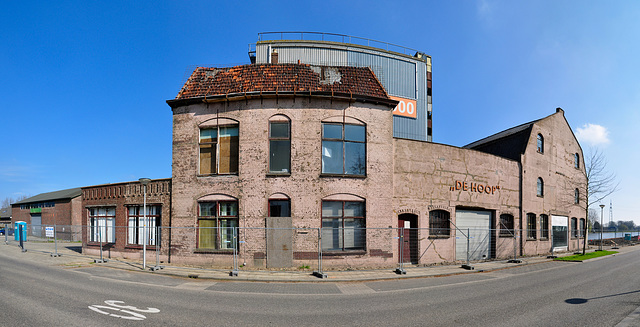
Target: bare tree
[6,203]
[598,182]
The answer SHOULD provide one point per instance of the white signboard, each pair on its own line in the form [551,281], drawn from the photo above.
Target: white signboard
[48,231]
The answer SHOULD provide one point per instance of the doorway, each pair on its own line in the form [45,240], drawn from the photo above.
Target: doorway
[408,238]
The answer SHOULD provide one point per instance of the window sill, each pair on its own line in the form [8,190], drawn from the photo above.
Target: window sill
[336,253]
[140,247]
[544,238]
[271,174]
[531,239]
[213,251]
[506,236]
[344,176]
[439,236]
[215,175]
[103,244]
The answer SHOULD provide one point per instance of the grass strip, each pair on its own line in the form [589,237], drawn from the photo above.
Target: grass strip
[587,256]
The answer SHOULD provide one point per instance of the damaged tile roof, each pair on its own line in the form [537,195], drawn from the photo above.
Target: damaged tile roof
[298,78]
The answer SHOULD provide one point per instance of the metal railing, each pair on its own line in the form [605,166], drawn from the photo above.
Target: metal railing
[332,37]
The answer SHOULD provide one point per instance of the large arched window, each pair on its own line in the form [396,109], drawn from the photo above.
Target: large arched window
[439,224]
[218,147]
[540,143]
[540,187]
[217,219]
[343,223]
[531,226]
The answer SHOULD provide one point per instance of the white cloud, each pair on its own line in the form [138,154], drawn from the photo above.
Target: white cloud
[593,134]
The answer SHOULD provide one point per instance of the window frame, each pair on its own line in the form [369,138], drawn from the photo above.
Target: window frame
[153,219]
[217,229]
[344,142]
[507,225]
[439,223]
[574,227]
[576,196]
[234,149]
[576,160]
[270,210]
[362,237]
[540,187]
[544,226]
[540,143]
[95,218]
[279,119]
[532,226]
[582,226]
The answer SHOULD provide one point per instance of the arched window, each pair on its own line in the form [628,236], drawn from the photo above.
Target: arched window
[531,226]
[582,227]
[540,188]
[576,160]
[218,146]
[217,218]
[544,226]
[506,225]
[279,145]
[343,223]
[574,227]
[540,143]
[576,195]
[439,223]
[344,143]
[279,205]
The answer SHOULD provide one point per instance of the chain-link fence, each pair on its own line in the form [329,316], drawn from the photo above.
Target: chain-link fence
[342,247]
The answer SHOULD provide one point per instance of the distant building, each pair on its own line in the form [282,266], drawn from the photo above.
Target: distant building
[62,208]
[5,216]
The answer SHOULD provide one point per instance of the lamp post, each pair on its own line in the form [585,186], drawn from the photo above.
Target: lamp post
[145,182]
[601,214]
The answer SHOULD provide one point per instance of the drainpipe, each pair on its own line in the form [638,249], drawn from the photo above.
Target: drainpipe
[521,208]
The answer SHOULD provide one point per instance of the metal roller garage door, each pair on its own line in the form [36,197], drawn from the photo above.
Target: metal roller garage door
[478,225]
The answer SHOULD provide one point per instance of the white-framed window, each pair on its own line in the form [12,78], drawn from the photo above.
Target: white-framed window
[343,225]
[102,222]
[135,228]
[344,149]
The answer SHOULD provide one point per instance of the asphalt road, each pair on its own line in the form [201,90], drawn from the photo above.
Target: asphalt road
[596,293]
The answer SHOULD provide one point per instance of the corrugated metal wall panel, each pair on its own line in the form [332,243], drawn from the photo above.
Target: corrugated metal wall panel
[400,76]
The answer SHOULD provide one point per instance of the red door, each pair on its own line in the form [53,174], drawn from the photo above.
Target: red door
[408,238]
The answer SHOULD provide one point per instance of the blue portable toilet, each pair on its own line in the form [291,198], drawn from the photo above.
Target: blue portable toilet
[16,227]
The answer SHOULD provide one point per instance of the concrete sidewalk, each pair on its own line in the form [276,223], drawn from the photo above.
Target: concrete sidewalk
[71,257]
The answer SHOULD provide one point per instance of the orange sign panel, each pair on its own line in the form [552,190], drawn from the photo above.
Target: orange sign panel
[406,107]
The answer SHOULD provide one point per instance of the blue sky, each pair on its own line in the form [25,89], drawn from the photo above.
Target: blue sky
[84,83]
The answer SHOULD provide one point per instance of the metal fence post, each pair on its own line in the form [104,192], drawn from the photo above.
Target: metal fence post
[319,272]
[400,270]
[234,272]
[20,238]
[55,241]
[101,260]
[156,240]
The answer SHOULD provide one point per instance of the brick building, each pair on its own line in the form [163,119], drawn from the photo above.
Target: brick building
[61,208]
[282,150]
[113,216]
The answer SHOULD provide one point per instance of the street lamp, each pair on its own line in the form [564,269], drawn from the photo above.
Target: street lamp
[145,182]
[601,214]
